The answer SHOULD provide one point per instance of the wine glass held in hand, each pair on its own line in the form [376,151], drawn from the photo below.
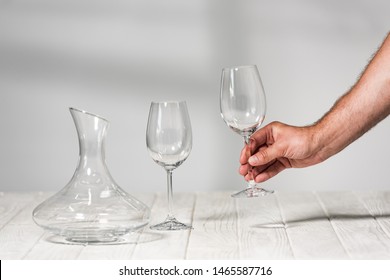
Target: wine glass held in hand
[169,142]
[243,107]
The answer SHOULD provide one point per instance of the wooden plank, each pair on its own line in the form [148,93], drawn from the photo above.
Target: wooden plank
[378,205]
[310,233]
[12,203]
[17,240]
[18,232]
[307,226]
[155,244]
[376,202]
[41,249]
[24,217]
[261,230]
[360,234]
[46,250]
[215,233]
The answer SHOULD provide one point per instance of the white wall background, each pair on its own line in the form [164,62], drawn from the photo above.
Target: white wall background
[113,57]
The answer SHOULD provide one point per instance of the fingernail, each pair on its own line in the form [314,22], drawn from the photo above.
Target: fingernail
[253,160]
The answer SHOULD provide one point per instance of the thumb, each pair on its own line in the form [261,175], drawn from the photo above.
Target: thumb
[266,155]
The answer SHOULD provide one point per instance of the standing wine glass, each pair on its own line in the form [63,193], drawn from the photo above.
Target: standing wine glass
[169,141]
[243,107]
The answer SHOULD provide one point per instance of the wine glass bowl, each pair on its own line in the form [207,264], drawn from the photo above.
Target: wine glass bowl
[243,108]
[169,142]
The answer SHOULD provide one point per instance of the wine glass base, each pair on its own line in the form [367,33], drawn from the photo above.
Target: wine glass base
[252,192]
[171,224]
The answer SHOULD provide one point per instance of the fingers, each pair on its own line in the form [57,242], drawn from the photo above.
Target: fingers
[268,173]
[261,137]
[244,170]
[266,155]
[258,139]
[262,152]
[245,154]
[244,161]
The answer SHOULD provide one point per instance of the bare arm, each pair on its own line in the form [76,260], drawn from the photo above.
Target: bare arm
[366,104]
[279,146]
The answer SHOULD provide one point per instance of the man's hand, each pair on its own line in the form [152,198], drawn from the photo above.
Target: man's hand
[278,146]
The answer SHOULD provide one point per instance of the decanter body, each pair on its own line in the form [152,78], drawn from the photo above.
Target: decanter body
[91,208]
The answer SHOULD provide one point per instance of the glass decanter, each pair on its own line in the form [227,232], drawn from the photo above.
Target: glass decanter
[91,208]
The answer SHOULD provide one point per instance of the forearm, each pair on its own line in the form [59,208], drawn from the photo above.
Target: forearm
[366,104]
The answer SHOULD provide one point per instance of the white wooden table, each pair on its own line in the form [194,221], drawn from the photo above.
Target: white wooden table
[296,225]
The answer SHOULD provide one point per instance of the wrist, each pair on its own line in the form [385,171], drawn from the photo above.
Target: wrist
[318,142]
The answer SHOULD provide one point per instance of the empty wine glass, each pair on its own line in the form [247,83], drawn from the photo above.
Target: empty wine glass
[169,141]
[243,106]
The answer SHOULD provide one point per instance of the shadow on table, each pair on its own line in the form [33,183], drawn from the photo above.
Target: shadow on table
[315,219]
[232,215]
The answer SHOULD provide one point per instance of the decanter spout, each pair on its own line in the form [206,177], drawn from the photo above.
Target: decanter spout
[91,130]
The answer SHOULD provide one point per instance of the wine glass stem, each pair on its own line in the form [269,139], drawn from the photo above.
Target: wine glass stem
[170,193]
[251,182]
